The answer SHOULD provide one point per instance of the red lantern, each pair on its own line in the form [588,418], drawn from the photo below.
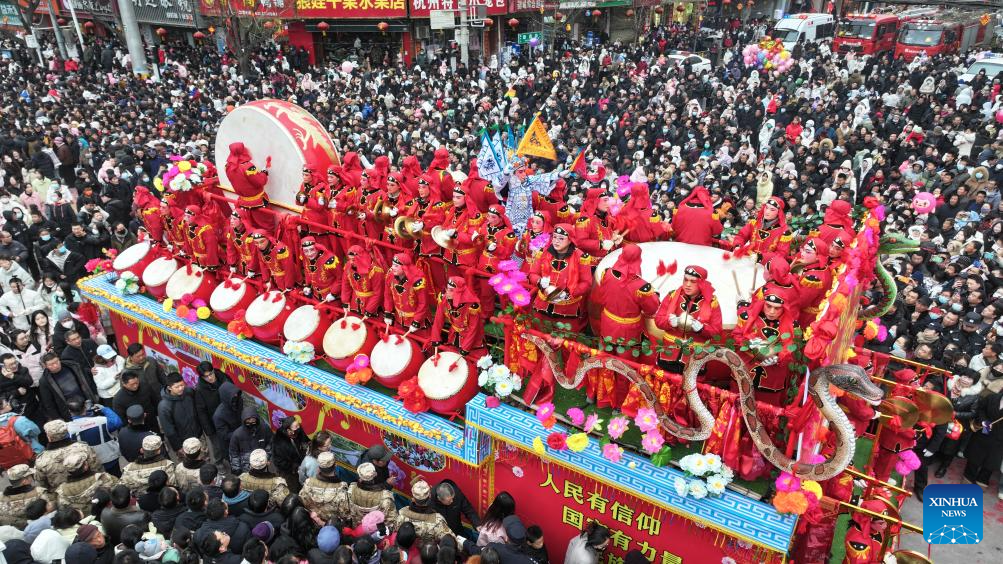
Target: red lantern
[659,9]
[61,21]
[268,25]
[323,27]
[630,13]
[161,31]
[88,25]
[596,13]
[383,26]
[488,22]
[513,23]
[558,16]
[198,35]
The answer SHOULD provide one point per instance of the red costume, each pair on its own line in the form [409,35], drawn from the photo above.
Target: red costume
[769,320]
[240,250]
[637,220]
[463,221]
[837,223]
[273,262]
[391,203]
[764,237]
[407,294]
[499,239]
[315,198]
[148,210]
[321,270]
[555,201]
[174,230]
[690,311]
[894,437]
[694,221]
[781,282]
[563,278]
[362,283]
[814,280]
[625,299]
[203,246]
[594,230]
[249,184]
[458,320]
[442,181]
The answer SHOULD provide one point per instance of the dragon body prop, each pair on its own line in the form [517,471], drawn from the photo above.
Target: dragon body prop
[890,244]
[849,378]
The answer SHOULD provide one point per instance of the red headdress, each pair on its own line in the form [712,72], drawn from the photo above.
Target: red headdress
[379,173]
[838,213]
[559,190]
[352,167]
[591,203]
[462,294]
[411,169]
[411,272]
[545,216]
[705,289]
[781,217]
[428,179]
[628,264]
[440,160]
[821,250]
[499,210]
[363,261]
[699,195]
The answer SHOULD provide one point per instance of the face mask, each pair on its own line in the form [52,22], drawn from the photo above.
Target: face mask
[934,316]
[250,425]
[67,324]
[942,299]
[955,308]
[139,169]
[978,175]
[45,237]
[121,232]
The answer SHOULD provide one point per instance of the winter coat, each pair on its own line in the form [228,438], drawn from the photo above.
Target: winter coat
[15,270]
[31,359]
[130,440]
[579,553]
[226,418]
[207,400]
[145,396]
[246,440]
[178,420]
[19,307]
[287,452]
[53,402]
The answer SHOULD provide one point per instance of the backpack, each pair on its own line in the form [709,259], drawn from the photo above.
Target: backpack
[13,449]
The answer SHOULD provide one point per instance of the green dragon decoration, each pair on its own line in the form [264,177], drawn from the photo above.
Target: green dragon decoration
[890,244]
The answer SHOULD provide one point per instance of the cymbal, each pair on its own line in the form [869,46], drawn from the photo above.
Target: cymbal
[404,227]
[905,409]
[910,557]
[933,407]
[441,238]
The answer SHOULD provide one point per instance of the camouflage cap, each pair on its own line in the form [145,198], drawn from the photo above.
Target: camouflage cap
[56,430]
[19,472]
[420,490]
[367,472]
[259,459]
[191,446]
[325,460]
[152,443]
[75,460]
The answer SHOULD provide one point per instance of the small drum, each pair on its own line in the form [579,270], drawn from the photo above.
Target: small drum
[395,358]
[266,315]
[233,295]
[191,279]
[346,338]
[307,323]
[156,275]
[448,382]
[134,259]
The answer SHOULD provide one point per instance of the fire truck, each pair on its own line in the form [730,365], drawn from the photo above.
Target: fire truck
[949,31]
[866,34]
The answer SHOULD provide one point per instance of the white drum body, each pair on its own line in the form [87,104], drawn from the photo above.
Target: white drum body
[134,259]
[448,381]
[307,323]
[346,338]
[266,316]
[395,358]
[157,273]
[231,296]
[190,279]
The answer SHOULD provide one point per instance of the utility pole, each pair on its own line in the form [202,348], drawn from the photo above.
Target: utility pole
[76,26]
[132,38]
[58,32]
[463,35]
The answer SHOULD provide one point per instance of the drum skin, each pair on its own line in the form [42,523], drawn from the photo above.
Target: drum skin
[181,283]
[438,368]
[291,327]
[345,338]
[161,267]
[235,284]
[268,331]
[388,360]
[135,258]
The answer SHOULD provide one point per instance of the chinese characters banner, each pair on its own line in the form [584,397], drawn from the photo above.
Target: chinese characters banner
[530,5]
[169,12]
[422,8]
[351,8]
[259,8]
[564,502]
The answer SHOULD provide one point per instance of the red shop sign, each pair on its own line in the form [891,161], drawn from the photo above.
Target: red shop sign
[351,8]
[421,8]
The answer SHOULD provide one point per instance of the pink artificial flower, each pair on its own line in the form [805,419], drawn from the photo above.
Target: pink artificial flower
[577,416]
[882,332]
[652,441]
[787,482]
[507,265]
[516,275]
[908,461]
[497,279]
[612,452]
[544,411]
[879,213]
[816,459]
[540,242]
[617,427]
[646,419]
[591,422]
[520,297]
[491,402]
[506,287]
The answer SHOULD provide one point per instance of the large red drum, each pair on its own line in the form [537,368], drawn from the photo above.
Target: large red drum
[448,381]
[157,273]
[233,295]
[307,323]
[346,338]
[191,279]
[266,316]
[395,358]
[135,258]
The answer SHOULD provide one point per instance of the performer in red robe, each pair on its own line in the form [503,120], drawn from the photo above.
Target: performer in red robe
[362,283]
[694,220]
[779,281]
[148,210]
[392,203]
[406,295]
[442,180]
[553,202]
[249,183]
[814,278]
[563,276]
[894,438]
[315,197]
[429,210]
[635,218]
[321,270]
[691,311]
[273,262]
[594,230]
[837,222]
[174,230]
[625,299]
[767,235]
[462,221]
[458,322]
[369,196]
[202,242]
[538,225]
[240,250]
[768,320]
[499,241]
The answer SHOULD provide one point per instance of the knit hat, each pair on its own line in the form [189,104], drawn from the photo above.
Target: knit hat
[366,471]
[264,531]
[19,472]
[420,490]
[56,430]
[378,452]
[325,460]
[328,539]
[150,548]
[86,532]
[152,443]
[259,459]
[82,553]
[371,521]
[135,413]
[191,446]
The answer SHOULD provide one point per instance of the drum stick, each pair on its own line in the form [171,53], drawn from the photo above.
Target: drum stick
[734,278]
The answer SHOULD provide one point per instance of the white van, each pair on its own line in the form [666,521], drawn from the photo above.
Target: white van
[809,28]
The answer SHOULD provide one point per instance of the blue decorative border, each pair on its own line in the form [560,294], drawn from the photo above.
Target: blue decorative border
[732,513]
[467,452]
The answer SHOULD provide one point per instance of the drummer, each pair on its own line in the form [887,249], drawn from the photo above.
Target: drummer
[321,270]
[273,261]
[458,323]
[767,329]
[563,276]
[406,294]
[201,238]
[362,283]
[691,311]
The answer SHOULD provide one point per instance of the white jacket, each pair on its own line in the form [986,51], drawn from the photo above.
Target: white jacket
[15,270]
[106,378]
[19,307]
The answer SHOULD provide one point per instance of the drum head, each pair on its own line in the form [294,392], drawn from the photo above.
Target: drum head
[301,323]
[184,282]
[227,295]
[391,356]
[131,256]
[265,308]
[436,379]
[159,271]
[345,337]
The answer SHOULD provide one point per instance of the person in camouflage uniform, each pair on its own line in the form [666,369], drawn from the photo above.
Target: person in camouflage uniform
[50,466]
[136,475]
[325,494]
[368,494]
[81,482]
[16,497]
[186,472]
[428,525]
[259,478]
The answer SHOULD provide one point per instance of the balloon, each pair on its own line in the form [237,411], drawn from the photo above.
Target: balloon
[534,41]
[924,202]
[761,56]
[785,55]
[768,65]
[999,116]
[347,67]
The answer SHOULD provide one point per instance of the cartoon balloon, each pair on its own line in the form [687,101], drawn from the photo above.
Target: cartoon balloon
[924,202]
[347,67]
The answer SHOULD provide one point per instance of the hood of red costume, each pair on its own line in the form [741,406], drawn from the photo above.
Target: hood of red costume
[362,261]
[628,263]
[699,195]
[238,171]
[838,213]
[440,160]
[352,166]
[462,294]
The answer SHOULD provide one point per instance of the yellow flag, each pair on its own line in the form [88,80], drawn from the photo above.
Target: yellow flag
[536,142]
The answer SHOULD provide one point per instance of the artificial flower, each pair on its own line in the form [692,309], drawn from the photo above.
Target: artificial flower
[503,388]
[697,489]
[520,297]
[812,487]
[577,442]
[544,411]
[482,378]
[491,402]
[716,485]
[713,462]
[592,423]
[497,279]
[576,415]
[652,441]
[681,486]
[787,482]
[907,463]
[538,447]
[507,265]
[517,471]
[790,502]
[617,427]
[612,452]
[557,441]
[550,422]
[485,362]
[646,419]
[498,373]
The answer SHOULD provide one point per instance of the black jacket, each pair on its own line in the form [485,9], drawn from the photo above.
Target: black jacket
[83,356]
[21,380]
[130,440]
[144,396]
[53,403]
[73,269]
[59,335]
[164,519]
[226,418]
[287,452]
[190,520]
[460,507]
[245,440]
[114,520]
[207,400]
[178,419]
[238,530]
[252,518]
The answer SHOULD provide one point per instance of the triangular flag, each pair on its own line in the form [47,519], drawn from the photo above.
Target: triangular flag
[489,166]
[536,142]
[578,166]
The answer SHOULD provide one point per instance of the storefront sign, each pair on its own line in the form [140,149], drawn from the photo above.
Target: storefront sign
[167,12]
[577,4]
[351,8]
[100,8]
[422,8]
[260,8]
[9,15]
[530,5]
[525,38]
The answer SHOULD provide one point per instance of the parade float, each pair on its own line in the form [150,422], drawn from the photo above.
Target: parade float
[698,472]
